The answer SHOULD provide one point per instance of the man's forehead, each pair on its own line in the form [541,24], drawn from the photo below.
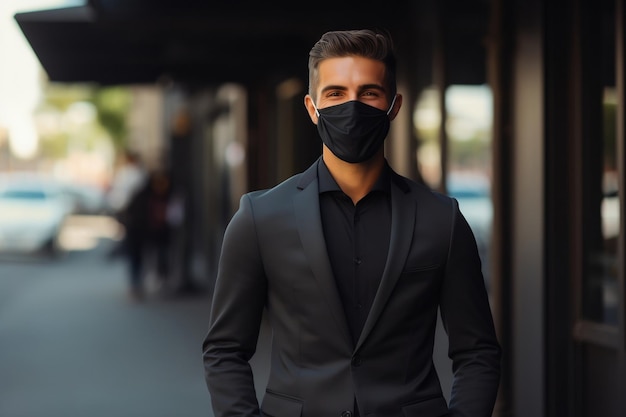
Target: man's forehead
[351,69]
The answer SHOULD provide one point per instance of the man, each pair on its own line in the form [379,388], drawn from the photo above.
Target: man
[352,262]
[130,177]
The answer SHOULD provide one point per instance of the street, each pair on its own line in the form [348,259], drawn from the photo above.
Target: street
[72,344]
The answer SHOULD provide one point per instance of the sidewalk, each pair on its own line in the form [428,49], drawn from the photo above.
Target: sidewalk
[74,345]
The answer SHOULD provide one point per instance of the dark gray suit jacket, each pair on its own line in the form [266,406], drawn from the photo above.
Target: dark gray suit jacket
[274,256]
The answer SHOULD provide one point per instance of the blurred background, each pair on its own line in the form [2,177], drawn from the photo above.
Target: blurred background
[129,130]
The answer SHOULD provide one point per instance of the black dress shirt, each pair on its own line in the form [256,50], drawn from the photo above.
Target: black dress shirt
[357,240]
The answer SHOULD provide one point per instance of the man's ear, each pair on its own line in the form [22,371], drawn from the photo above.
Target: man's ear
[396,107]
[310,107]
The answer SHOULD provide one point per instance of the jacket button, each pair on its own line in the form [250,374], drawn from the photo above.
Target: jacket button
[356,360]
[346,414]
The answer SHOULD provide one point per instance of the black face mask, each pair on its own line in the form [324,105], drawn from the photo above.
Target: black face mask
[353,131]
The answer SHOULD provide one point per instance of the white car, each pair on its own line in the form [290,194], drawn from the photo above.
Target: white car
[32,214]
[86,199]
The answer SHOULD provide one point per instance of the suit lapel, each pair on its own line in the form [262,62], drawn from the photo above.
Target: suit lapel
[402,222]
[307,211]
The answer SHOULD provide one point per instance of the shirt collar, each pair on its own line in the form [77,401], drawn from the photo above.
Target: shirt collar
[327,182]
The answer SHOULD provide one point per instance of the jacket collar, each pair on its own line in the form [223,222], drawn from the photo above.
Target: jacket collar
[309,175]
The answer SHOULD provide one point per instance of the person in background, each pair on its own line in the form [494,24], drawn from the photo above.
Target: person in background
[129,177]
[147,233]
[159,227]
[351,262]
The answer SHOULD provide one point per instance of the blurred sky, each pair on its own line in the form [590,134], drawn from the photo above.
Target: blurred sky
[20,75]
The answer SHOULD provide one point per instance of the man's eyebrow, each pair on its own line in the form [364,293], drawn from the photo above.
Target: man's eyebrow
[361,88]
[333,87]
[372,87]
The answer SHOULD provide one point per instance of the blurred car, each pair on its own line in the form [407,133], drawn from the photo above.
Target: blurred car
[33,211]
[473,192]
[85,199]
[610,210]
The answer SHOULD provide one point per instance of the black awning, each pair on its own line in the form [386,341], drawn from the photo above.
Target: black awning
[63,40]
[141,41]
[84,44]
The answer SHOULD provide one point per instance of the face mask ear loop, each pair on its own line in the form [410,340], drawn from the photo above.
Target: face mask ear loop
[317,113]
[392,103]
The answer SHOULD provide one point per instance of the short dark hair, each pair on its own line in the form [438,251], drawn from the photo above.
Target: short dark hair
[366,43]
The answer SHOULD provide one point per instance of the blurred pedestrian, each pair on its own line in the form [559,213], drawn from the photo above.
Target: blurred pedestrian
[129,177]
[147,233]
[160,219]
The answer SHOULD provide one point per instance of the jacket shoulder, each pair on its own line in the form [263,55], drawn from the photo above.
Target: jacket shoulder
[286,188]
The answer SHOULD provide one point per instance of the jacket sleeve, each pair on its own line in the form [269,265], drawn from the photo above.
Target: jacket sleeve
[235,318]
[466,316]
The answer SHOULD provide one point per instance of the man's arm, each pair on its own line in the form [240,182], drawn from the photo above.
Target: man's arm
[236,312]
[466,316]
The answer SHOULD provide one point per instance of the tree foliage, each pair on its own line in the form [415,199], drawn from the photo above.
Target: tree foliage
[113,104]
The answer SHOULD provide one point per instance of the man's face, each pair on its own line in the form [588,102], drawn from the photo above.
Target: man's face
[351,78]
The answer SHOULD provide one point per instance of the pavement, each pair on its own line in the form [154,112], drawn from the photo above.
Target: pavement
[73,344]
